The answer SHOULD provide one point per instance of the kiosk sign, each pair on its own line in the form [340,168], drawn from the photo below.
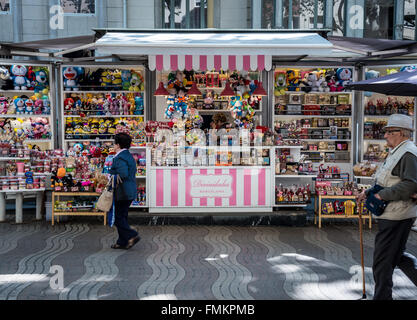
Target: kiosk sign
[211,186]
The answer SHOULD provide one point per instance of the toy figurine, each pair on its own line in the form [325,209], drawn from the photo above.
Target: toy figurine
[126,76]
[20,80]
[70,75]
[68,103]
[4,105]
[19,104]
[29,106]
[6,82]
[41,81]
[344,77]
[106,79]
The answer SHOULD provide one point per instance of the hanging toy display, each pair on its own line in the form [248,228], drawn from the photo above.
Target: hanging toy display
[242,112]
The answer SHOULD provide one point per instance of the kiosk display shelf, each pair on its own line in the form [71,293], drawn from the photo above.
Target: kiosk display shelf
[311,105]
[376,110]
[96,99]
[26,106]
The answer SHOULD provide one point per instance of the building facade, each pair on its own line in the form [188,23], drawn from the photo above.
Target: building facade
[28,20]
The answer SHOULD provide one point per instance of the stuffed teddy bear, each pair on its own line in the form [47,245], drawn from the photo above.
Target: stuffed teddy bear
[370,74]
[6,83]
[20,80]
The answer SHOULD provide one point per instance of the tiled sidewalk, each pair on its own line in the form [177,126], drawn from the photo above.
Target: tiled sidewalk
[191,262]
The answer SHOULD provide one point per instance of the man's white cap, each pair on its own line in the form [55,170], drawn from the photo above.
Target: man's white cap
[400,121]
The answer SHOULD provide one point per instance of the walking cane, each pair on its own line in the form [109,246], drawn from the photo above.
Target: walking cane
[360,208]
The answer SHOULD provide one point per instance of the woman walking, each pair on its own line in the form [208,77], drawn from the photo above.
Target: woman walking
[124,166]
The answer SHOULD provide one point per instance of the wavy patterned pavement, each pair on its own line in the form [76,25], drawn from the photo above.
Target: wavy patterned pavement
[186,262]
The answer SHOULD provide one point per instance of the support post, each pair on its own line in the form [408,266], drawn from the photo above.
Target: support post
[2,207]
[19,207]
[39,198]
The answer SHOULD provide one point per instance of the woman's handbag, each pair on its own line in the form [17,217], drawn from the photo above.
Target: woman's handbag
[105,201]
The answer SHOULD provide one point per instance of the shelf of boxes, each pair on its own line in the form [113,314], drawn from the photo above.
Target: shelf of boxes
[372,112]
[47,144]
[318,105]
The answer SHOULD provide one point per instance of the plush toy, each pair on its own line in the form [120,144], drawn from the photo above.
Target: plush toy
[30,75]
[170,109]
[138,105]
[20,80]
[27,128]
[92,81]
[38,106]
[330,77]
[344,77]
[78,147]
[136,82]
[46,105]
[280,83]
[322,83]
[293,80]
[70,75]
[28,106]
[4,105]
[126,76]
[371,74]
[6,82]
[116,80]
[19,104]
[106,79]
[68,103]
[41,81]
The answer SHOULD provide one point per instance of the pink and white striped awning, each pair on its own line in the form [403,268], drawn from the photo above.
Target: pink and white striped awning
[210,62]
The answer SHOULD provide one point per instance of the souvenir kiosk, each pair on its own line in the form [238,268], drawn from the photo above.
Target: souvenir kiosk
[234,177]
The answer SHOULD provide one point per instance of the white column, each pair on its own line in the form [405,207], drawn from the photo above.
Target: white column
[2,207]
[39,198]
[19,207]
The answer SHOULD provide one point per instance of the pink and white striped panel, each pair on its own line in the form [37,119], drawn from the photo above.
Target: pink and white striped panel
[223,187]
[208,62]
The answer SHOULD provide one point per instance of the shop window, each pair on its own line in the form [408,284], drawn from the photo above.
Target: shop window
[379,19]
[184,14]
[409,29]
[78,6]
[338,17]
[4,6]
[268,16]
[304,14]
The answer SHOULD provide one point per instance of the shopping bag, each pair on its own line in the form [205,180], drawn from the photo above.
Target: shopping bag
[105,201]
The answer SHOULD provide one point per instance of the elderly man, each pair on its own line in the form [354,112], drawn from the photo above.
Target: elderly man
[398,178]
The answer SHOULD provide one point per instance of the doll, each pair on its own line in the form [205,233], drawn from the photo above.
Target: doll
[70,75]
[20,80]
